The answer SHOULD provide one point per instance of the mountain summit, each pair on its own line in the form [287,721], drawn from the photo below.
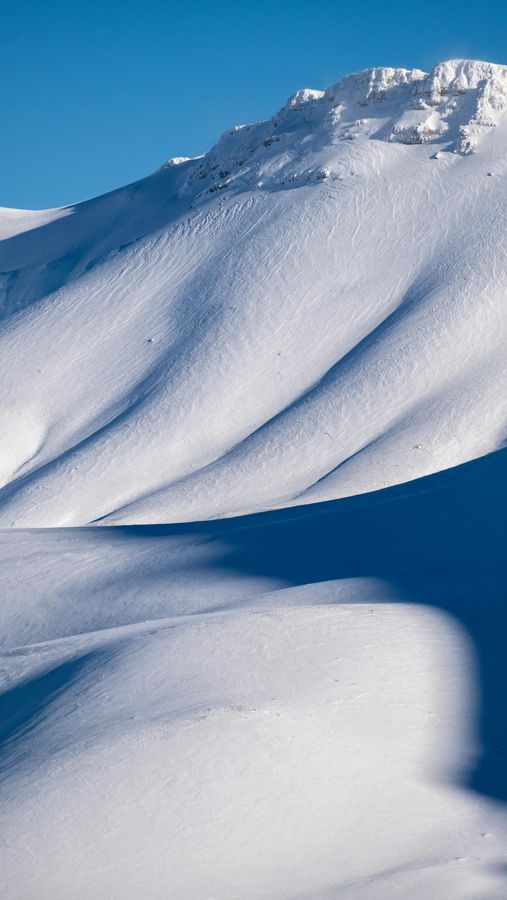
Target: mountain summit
[313,309]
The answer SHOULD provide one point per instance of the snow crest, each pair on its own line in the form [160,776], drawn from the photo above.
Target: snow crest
[453,106]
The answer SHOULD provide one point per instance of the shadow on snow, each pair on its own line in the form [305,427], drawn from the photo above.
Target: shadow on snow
[440,540]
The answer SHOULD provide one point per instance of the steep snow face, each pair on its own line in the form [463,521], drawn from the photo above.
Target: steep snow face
[315,308]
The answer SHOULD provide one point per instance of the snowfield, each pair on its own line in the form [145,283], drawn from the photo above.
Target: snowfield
[296,316]
[277,372]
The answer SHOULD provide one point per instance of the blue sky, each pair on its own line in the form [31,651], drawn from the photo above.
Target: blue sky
[97,94]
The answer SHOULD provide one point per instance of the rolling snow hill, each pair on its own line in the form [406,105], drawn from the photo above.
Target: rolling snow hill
[313,309]
[308,703]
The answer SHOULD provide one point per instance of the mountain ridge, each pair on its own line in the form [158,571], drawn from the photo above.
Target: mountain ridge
[311,310]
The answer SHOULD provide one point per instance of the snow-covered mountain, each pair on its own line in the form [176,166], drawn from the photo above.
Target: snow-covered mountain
[315,308]
[305,703]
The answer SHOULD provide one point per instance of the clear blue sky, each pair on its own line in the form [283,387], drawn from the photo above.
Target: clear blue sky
[97,94]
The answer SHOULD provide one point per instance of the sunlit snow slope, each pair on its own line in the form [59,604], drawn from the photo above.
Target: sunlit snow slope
[313,309]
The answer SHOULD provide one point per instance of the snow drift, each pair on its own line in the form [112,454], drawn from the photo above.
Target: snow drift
[301,704]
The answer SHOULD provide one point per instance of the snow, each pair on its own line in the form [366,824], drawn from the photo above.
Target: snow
[244,344]
[252,495]
[301,704]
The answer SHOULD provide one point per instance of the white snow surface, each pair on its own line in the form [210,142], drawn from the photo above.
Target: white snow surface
[302,704]
[278,371]
[313,309]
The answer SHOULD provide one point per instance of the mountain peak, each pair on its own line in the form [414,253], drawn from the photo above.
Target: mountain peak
[467,74]
[454,107]
[453,75]
[455,101]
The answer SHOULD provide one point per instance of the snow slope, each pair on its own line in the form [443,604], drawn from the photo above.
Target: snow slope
[308,702]
[302,704]
[313,309]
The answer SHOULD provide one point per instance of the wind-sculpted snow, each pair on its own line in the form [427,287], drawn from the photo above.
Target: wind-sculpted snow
[311,310]
[304,703]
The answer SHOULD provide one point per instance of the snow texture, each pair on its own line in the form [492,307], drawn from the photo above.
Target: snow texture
[313,309]
[280,370]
